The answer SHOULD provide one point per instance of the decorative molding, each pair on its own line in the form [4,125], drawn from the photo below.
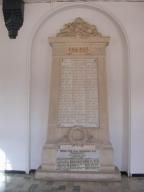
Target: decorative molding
[78,28]
[77,136]
[49,1]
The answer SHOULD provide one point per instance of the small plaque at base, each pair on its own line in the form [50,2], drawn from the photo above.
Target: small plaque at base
[78,159]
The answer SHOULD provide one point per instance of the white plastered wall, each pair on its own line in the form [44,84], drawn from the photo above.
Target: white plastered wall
[21,146]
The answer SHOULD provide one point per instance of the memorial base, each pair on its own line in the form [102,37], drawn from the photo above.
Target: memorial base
[78,176]
[78,163]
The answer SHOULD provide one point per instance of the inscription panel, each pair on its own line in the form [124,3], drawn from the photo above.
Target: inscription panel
[77,50]
[78,99]
[78,159]
[91,50]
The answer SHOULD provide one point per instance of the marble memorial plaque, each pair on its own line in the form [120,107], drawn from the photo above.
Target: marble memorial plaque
[78,146]
[78,98]
[78,159]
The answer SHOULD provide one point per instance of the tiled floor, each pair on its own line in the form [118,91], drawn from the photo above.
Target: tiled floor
[27,183]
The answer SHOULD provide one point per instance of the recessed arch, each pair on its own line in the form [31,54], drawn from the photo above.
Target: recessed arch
[96,8]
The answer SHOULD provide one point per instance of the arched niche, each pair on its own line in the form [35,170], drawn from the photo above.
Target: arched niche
[117,77]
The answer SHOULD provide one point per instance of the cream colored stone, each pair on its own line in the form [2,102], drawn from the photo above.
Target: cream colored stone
[78,28]
[70,134]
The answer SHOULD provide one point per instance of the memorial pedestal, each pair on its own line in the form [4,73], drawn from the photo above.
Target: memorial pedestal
[78,146]
[78,176]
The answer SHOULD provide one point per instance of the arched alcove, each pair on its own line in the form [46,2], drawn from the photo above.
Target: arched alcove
[117,77]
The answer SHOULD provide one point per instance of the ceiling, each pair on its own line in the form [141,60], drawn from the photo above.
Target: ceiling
[48,1]
[41,1]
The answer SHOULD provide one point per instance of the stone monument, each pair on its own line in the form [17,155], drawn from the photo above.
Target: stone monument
[78,145]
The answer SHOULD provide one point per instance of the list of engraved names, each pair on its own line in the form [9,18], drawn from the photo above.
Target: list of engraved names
[78,98]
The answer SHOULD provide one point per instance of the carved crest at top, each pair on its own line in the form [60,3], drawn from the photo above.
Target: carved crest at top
[78,28]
